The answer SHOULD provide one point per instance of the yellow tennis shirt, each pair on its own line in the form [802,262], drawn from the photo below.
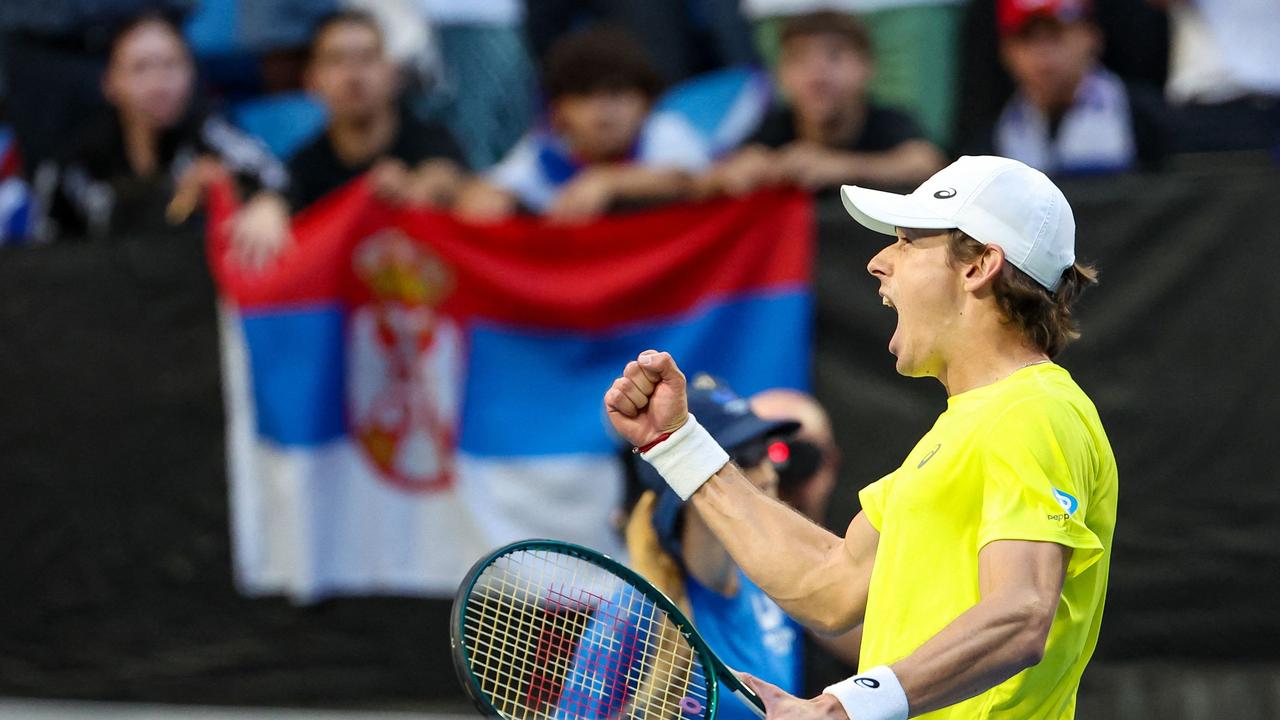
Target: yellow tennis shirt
[1024,458]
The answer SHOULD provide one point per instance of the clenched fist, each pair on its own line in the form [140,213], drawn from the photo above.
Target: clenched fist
[648,400]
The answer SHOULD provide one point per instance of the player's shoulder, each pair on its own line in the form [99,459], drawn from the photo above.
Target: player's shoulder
[1045,394]
[1061,392]
[1051,384]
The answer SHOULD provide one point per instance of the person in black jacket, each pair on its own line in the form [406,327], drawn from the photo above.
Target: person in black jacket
[830,133]
[350,72]
[52,55]
[1069,114]
[407,161]
[141,168]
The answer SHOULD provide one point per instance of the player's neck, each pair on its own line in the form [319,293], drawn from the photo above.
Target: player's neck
[989,358]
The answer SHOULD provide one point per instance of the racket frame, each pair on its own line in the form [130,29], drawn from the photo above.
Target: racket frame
[720,673]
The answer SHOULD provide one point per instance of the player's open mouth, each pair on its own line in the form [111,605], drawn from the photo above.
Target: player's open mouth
[884,300]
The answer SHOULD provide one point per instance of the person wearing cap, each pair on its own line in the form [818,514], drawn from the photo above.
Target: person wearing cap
[978,568]
[808,466]
[808,461]
[1069,114]
[672,547]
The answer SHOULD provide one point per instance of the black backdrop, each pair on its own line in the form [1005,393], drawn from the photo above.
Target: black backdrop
[115,578]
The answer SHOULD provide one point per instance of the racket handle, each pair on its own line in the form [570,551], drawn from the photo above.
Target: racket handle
[750,699]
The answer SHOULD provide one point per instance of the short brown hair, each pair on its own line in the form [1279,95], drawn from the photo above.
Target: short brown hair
[328,21]
[597,59]
[1044,316]
[827,22]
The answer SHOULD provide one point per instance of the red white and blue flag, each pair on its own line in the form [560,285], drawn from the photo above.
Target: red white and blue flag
[406,392]
[16,221]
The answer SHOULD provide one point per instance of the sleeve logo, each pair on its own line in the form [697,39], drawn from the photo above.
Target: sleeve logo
[1066,500]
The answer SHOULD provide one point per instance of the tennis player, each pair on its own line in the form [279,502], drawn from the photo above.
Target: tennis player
[979,566]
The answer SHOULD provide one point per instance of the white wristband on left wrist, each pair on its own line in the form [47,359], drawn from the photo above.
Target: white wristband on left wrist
[873,695]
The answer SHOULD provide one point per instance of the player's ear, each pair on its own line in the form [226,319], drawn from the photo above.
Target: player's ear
[983,269]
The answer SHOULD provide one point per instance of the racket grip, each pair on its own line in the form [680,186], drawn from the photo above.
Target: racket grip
[751,700]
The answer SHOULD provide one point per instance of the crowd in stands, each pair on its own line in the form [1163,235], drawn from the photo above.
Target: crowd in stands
[114,115]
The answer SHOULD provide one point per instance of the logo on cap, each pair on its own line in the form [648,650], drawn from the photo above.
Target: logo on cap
[944,194]
[721,394]
[703,381]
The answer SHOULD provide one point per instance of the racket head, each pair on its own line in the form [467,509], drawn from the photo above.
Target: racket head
[532,621]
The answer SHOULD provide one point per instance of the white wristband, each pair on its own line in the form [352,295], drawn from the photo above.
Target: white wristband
[873,695]
[688,458]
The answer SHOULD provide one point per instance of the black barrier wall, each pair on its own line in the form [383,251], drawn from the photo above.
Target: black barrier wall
[116,577]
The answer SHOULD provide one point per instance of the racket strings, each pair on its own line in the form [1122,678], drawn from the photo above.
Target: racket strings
[554,637]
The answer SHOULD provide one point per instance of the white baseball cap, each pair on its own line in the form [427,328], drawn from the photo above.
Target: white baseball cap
[994,200]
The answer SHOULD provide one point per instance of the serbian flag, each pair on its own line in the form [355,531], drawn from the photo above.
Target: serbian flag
[406,392]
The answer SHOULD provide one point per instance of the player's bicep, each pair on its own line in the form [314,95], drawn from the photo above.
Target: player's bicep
[1025,575]
[860,542]
[843,580]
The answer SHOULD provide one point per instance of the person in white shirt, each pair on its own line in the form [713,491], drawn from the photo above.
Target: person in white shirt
[1068,114]
[1223,72]
[601,148]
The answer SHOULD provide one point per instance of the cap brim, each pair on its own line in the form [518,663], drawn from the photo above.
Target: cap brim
[884,211]
[751,428]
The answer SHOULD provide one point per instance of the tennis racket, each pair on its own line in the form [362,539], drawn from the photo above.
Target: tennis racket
[547,630]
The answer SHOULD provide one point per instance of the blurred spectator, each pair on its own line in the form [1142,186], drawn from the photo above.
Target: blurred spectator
[1139,53]
[600,149]
[143,166]
[408,161]
[406,37]
[1068,114]
[809,463]
[54,55]
[1224,72]
[411,161]
[916,45]
[671,545]
[830,134]
[486,84]
[681,37]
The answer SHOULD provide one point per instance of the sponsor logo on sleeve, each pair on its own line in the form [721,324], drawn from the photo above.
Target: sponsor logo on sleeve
[1068,502]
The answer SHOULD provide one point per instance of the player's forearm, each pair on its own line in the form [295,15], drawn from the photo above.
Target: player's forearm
[845,646]
[990,643]
[797,563]
[705,557]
